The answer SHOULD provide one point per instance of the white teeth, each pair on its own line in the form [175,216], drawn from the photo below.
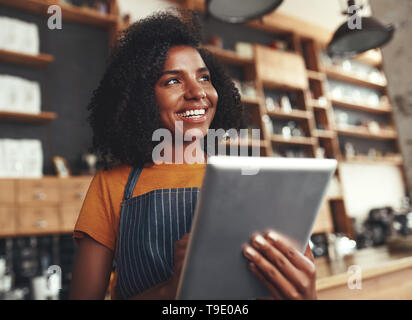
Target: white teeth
[196,113]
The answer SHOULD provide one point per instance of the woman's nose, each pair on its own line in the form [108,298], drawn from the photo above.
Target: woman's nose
[194,91]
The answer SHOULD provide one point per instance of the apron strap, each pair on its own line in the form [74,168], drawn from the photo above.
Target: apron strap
[131,183]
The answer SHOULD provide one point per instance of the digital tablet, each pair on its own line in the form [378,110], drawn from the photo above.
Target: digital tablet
[240,196]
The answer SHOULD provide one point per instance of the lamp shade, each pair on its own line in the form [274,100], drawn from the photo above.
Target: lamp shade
[347,42]
[239,11]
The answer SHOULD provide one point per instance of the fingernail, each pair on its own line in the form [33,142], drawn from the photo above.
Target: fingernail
[259,241]
[249,252]
[273,236]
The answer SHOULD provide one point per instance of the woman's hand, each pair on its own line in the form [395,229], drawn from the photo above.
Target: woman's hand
[180,247]
[286,272]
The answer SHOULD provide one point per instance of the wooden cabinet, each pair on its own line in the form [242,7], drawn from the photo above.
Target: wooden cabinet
[69,214]
[7,221]
[72,193]
[74,189]
[37,220]
[40,206]
[7,191]
[378,273]
[37,192]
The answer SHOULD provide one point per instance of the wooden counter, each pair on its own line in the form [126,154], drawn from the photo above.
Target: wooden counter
[384,275]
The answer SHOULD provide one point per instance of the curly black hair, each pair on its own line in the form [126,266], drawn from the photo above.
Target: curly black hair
[123,111]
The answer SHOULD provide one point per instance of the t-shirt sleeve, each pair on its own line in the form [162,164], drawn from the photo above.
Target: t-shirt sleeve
[96,218]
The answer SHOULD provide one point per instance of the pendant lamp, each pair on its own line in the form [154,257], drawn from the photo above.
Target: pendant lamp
[239,11]
[348,41]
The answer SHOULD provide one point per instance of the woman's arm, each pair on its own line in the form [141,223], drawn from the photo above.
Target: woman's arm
[91,270]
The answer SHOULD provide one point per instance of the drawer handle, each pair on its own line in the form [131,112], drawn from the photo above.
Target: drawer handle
[41,224]
[40,195]
[79,195]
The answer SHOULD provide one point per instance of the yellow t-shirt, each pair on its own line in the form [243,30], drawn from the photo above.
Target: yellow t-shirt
[100,213]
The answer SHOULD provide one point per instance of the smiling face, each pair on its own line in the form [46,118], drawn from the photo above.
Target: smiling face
[184,91]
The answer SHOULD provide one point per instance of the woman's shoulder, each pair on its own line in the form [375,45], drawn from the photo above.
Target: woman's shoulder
[115,175]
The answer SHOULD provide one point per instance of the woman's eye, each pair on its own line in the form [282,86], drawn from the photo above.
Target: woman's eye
[205,77]
[171,81]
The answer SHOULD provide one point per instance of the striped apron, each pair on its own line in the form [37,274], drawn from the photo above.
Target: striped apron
[149,226]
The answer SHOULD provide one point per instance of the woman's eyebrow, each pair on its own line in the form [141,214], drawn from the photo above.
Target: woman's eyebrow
[202,69]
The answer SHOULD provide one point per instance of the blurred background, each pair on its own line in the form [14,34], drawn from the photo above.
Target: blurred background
[314,87]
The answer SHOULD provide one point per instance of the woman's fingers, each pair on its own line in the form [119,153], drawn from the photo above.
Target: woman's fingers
[272,289]
[271,273]
[276,257]
[309,254]
[299,260]
[180,247]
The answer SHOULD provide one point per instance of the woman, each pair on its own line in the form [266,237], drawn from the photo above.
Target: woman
[137,214]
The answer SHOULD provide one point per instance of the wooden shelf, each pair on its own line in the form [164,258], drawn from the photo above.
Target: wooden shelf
[38,61]
[69,12]
[250,101]
[294,114]
[315,104]
[371,57]
[362,132]
[229,57]
[360,107]
[302,141]
[325,134]
[277,85]
[337,198]
[44,116]
[394,160]
[249,143]
[339,74]
[315,75]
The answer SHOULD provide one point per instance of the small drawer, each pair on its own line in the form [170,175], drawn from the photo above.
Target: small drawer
[7,221]
[37,192]
[37,220]
[7,192]
[74,189]
[69,215]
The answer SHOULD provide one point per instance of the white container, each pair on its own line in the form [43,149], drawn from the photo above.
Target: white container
[13,156]
[21,158]
[39,287]
[19,36]
[16,94]
[30,95]
[12,35]
[3,32]
[32,158]
[2,160]
[28,38]
[33,39]
[244,49]
[19,95]
[3,92]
